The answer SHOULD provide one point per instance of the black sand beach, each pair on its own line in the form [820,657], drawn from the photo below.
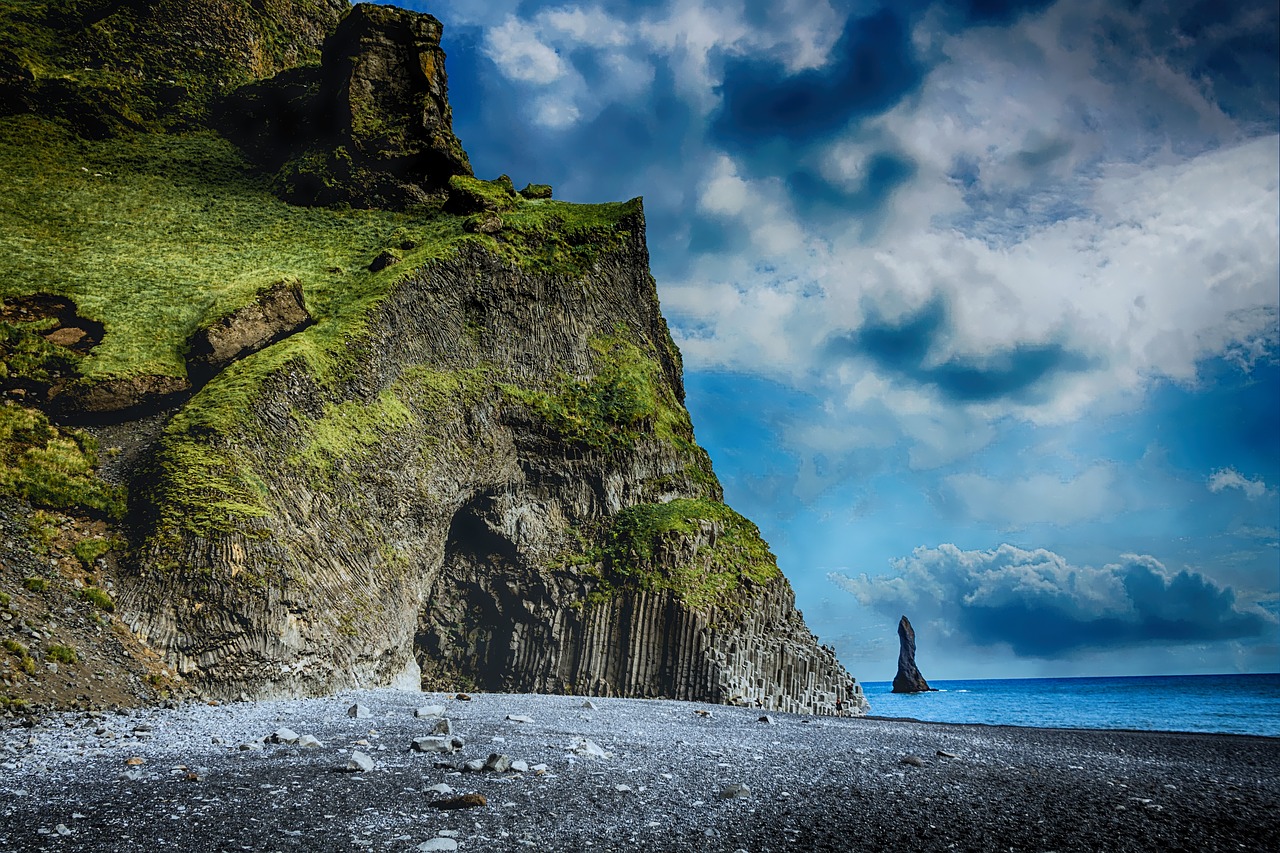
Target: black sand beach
[673,780]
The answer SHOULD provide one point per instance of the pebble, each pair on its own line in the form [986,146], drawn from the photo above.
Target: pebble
[519,718]
[588,705]
[283,735]
[442,726]
[735,791]
[466,801]
[498,762]
[945,754]
[913,760]
[309,742]
[438,844]
[440,788]
[359,762]
[587,747]
[429,711]
[359,712]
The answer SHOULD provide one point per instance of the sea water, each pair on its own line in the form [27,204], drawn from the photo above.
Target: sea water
[1240,704]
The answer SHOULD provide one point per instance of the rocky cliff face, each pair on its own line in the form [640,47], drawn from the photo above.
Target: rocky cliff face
[463,462]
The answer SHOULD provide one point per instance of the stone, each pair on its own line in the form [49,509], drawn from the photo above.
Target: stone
[284,735]
[588,705]
[275,313]
[462,697]
[442,726]
[438,844]
[587,747]
[735,791]
[498,763]
[519,718]
[908,679]
[370,127]
[473,765]
[487,222]
[466,801]
[429,711]
[440,788]
[359,762]
[912,760]
[309,742]
[250,746]
[765,718]
[943,754]
[383,260]
[359,712]
[431,744]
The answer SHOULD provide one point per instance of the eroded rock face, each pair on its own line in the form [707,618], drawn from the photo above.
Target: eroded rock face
[464,532]
[908,679]
[370,127]
[274,314]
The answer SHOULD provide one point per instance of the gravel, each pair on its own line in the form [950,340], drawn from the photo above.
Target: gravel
[622,774]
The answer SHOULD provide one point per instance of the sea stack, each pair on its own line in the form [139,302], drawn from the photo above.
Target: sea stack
[908,679]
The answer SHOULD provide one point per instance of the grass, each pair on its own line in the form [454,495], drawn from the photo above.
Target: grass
[53,467]
[98,598]
[88,550]
[634,545]
[627,398]
[26,662]
[35,584]
[61,654]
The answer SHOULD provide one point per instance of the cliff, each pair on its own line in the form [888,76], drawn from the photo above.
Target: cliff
[294,403]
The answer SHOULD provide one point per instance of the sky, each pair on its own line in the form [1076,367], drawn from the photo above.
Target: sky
[978,300]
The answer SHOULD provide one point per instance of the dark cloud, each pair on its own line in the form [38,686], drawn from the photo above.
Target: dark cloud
[991,12]
[903,347]
[872,68]
[883,173]
[1041,606]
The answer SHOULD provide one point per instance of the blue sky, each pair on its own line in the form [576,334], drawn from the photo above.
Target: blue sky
[978,300]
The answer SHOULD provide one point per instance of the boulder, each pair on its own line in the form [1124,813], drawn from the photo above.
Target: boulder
[275,313]
[370,127]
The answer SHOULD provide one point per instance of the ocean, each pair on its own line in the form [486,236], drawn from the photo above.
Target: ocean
[1240,704]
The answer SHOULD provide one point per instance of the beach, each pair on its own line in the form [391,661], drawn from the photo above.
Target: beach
[617,774]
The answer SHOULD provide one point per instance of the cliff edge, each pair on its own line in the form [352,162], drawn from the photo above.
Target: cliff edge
[294,403]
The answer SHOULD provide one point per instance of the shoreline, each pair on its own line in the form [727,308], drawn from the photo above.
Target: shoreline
[667,782]
[1175,732]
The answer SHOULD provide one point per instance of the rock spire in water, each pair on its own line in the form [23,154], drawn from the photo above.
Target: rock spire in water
[908,679]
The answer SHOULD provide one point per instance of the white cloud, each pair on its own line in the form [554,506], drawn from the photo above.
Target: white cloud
[1230,478]
[1038,499]
[514,47]
[1141,250]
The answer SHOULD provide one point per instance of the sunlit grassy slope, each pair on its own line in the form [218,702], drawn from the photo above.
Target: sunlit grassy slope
[155,234]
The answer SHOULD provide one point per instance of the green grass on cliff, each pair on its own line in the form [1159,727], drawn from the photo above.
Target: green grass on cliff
[51,467]
[153,235]
[644,548]
[626,399]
